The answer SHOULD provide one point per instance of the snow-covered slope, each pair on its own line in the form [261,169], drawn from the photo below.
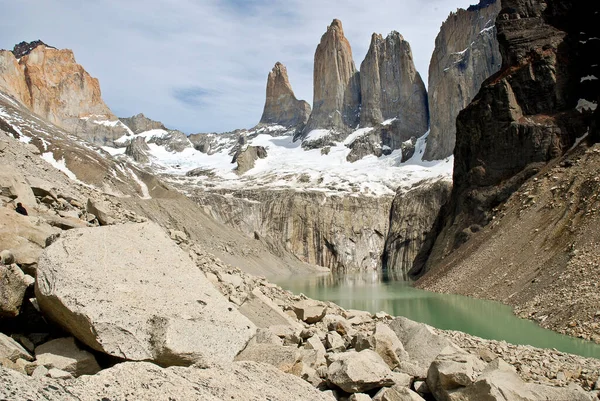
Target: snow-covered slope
[289,166]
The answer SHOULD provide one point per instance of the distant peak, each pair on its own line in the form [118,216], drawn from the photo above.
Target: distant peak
[24,48]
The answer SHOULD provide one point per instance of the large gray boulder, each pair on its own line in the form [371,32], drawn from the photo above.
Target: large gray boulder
[143,381]
[420,341]
[130,292]
[282,357]
[500,382]
[265,313]
[15,186]
[357,372]
[449,372]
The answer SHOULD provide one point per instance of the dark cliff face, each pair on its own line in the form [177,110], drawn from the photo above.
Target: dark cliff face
[525,115]
[466,53]
[24,48]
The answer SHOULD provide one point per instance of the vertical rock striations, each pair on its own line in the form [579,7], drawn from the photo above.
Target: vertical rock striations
[140,123]
[391,87]
[466,53]
[412,216]
[336,101]
[281,105]
[58,90]
[525,115]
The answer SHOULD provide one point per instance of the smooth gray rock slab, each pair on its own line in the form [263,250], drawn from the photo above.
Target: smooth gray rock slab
[129,291]
[65,354]
[357,372]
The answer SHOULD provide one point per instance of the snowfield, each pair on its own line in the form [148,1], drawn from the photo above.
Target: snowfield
[289,166]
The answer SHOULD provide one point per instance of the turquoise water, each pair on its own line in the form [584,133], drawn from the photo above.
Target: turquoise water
[374,292]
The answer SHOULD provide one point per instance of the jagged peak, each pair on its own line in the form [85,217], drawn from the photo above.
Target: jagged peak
[336,24]
[24,48]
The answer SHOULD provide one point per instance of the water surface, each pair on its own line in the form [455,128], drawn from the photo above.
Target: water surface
[374,292]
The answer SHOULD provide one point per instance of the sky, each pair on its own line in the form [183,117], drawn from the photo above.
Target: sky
[202,65]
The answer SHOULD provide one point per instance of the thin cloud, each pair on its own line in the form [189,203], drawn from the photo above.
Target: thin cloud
[194,96]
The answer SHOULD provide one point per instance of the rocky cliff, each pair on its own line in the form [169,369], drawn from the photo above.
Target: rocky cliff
[281,106]
[391,87]
[527,114]
[412,216]
[336,98]
[51,84]
[466,53]
[140,123]
[343,233]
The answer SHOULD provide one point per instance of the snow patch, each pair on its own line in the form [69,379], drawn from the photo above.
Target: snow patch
[59,165]
[588,78]
[357,134]
[142,184]
[389,121]
[317,134]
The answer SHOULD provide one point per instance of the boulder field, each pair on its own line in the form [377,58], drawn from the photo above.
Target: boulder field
[143,314]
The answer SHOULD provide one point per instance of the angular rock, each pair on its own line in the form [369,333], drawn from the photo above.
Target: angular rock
[12,350]
[138,150]
[336,98]
[265,313]
[335,342]
[65,354]
[282,357]
[246,158]
[315,343]
[466,53]
[56,373]
[13,284]
[39,372]
[388,346]
[13,185]
[449,372]
[499,382]
[309,311]
[397,393]
[356,372]
[126,305]
[100,210]
[281,105]
[419,340]
[391,87]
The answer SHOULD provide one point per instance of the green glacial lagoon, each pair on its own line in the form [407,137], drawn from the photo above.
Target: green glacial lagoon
[373,292]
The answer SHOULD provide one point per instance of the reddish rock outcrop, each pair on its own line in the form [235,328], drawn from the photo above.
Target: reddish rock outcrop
[50,83]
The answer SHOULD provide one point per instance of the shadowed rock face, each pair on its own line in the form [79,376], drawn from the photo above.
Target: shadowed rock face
[51,84]
[391,87]
[525,115]
[281,105]
[336,84]
[466,53]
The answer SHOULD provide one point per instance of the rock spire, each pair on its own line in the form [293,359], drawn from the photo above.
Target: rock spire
[336,100]
[281,105]
[391,87]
